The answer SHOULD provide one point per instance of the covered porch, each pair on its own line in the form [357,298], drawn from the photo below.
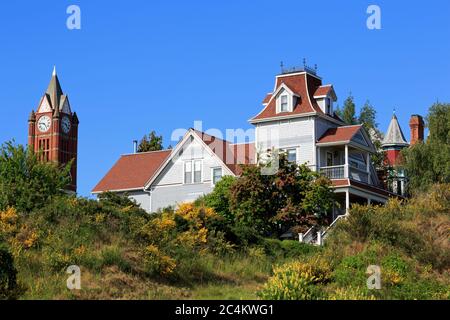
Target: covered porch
[345,153]
[348,193]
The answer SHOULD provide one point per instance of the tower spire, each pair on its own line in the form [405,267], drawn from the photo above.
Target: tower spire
[54,90]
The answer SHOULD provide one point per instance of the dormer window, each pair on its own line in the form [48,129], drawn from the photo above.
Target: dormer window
[285,99]
[284,103]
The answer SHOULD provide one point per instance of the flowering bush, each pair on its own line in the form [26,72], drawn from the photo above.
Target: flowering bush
[297,281]
[177,238]
[8,221]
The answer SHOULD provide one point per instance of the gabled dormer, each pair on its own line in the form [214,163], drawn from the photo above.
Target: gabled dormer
[326,97]
[286,99]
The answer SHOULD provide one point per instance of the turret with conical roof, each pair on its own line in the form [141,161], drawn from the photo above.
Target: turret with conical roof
[394,136]
[394,141]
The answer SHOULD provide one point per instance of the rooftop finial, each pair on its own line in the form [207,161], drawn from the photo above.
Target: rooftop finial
[304,62]
[54,71]
[281,66]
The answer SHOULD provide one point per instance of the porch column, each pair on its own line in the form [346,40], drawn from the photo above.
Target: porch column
[347,201]
[318,160]
[346,175]
[369,201]
[368,166]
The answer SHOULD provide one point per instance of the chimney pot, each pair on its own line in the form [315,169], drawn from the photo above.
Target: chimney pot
[135,146]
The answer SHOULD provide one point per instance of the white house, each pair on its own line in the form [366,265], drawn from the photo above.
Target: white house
[297,117]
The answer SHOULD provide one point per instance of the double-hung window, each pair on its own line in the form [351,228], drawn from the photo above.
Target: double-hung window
[284,103]
[216,175]
[188,172]
[197,171]
[193,171]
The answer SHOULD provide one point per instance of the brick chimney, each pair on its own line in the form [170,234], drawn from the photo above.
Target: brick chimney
[417,126]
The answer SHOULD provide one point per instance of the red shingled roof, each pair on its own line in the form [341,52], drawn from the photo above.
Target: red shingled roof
[267,98]
[233,155]
[340,134]
[303,85]
[135,170]
[132,171]
[323,90]
[337,183]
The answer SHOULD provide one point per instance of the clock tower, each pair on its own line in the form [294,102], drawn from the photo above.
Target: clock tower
[53,129]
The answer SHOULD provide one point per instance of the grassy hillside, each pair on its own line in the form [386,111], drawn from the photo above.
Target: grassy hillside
[126,254]
[409,241]
[192,254]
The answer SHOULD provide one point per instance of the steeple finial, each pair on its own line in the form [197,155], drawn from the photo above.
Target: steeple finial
[54,71]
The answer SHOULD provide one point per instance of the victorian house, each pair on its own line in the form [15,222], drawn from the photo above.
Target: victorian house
[297,117]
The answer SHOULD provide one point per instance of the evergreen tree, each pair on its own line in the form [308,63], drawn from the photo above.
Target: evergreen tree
[367,117]
[349,110]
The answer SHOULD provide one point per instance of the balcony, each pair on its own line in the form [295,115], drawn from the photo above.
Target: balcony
[345,172]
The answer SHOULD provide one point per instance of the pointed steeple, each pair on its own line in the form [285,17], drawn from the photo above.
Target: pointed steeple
[32,116]
[54,90]
[394,135]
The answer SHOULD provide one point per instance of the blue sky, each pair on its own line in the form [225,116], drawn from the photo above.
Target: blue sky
[137,66]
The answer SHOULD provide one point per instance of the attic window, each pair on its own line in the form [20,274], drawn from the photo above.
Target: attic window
[284,103]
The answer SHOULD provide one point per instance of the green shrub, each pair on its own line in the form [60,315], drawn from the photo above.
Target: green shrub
[9,288]
[27,183]
[288,248]
[112,256]
[219,198]
[350,293]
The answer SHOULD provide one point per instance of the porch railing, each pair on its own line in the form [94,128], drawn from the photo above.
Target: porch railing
[340,172]
[333,172]
[359,175]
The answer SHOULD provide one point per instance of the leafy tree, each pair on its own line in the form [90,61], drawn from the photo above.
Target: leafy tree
[26,182]
[293,196]
[152,142]
[219,198]
[429,161]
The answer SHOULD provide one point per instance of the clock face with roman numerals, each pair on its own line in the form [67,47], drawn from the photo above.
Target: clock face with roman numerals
[44,123]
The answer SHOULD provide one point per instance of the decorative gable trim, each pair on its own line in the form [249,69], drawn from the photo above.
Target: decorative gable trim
[65,105]
[45,105]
